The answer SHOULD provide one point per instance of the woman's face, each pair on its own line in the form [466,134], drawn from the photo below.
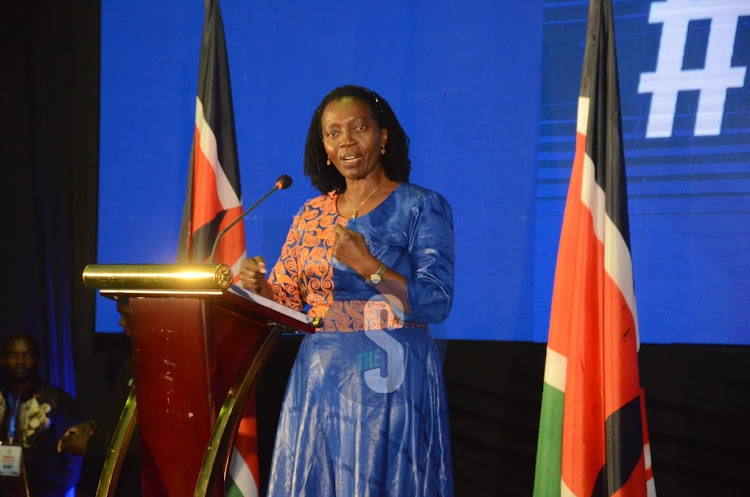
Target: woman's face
[352,138]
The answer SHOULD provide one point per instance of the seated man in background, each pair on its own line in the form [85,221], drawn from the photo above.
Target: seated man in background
[33,416]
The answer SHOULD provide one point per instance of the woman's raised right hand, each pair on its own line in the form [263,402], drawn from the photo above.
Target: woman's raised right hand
[253,276]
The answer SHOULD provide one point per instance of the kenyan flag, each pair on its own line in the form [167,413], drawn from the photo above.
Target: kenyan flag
[593,439]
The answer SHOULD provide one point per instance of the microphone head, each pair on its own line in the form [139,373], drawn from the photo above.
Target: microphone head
[283,182]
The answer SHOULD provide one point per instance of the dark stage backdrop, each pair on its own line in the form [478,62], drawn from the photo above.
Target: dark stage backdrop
[696,394]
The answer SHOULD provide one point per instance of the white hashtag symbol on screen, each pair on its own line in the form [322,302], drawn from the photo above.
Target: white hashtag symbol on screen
[712,81]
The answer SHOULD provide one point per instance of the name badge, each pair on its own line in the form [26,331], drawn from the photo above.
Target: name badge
[10,460]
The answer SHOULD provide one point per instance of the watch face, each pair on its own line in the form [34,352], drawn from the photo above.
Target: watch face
[375,279]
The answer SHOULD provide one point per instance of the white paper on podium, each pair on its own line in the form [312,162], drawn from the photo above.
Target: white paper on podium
[270,304]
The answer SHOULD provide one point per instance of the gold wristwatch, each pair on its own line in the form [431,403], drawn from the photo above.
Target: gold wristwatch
[377,276]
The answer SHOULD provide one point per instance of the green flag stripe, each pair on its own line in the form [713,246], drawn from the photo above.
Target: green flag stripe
[231,488]
[549,448]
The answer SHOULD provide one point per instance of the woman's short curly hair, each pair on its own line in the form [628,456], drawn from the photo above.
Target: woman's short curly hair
[396,162]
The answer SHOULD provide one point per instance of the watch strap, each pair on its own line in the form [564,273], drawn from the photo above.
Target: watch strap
[375,278]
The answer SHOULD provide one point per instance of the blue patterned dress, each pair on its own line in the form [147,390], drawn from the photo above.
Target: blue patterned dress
[365,412]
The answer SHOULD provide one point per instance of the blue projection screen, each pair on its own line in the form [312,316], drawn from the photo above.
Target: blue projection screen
[487,92]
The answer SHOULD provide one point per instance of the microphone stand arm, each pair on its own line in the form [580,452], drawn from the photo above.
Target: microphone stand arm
[247,211]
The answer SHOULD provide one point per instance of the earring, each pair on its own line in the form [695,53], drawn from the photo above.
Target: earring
[382,150]
[328,161]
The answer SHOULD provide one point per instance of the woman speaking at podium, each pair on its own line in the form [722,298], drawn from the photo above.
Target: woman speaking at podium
[365,411]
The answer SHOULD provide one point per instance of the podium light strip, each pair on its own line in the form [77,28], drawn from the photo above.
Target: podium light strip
[167,277]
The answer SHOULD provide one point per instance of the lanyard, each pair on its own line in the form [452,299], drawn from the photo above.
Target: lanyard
[13,402]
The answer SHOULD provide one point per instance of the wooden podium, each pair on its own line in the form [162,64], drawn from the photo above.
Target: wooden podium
[198,346]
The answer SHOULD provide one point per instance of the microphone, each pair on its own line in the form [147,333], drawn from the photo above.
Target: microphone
[282,183]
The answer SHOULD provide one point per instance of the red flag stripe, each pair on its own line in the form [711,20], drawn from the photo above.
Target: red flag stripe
[247,437]
[207,144]
[577,255]
[232,244]
[566,269]
[206,202]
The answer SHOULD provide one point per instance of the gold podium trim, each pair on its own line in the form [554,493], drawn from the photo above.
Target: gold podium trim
[198,279]
[118,448]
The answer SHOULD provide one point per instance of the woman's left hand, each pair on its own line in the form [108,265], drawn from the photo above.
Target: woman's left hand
[351,249]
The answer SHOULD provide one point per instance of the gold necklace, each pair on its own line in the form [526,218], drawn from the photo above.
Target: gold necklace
[356,211]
